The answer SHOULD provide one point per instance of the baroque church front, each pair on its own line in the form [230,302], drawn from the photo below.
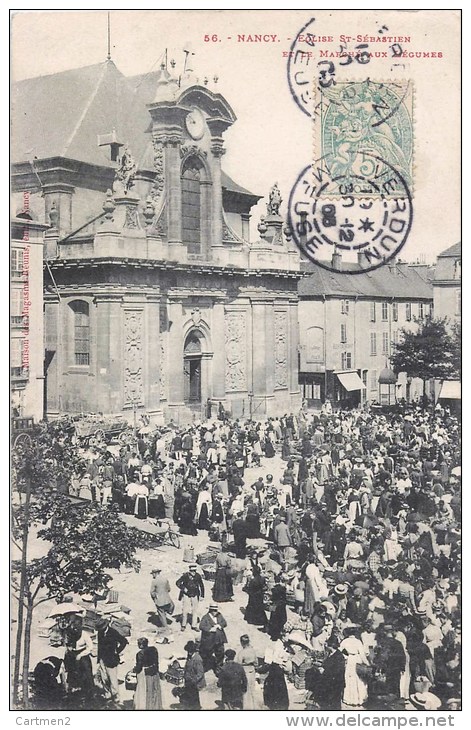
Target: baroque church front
[155,299]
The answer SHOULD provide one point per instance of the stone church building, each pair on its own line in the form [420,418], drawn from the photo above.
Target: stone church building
[155,298]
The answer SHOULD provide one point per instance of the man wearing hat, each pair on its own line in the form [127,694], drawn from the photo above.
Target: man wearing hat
[110,646]
[339,599]
[191,591]
[160,594]
[424,701]
[213,638]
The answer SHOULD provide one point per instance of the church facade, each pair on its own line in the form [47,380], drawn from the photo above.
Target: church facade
[156,301]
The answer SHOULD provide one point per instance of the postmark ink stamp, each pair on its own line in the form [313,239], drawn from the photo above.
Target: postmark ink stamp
[354,214]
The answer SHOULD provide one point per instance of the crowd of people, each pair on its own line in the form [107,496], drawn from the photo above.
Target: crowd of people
[350,560]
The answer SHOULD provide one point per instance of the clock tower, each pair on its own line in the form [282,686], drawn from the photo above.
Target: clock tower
[187,135]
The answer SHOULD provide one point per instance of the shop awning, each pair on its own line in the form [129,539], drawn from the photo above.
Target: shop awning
[451,389]
[350,380]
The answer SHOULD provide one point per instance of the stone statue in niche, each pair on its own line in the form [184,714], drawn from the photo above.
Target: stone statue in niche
[274,201]
[125,173]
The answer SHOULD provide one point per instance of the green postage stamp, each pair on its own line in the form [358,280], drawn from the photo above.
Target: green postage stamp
[365,137]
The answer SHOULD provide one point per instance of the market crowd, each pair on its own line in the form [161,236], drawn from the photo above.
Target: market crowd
[350,562]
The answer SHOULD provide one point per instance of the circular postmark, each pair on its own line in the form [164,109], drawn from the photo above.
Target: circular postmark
[299,67]
[352,224]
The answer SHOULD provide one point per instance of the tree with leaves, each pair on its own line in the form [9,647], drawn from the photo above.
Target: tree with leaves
[430,352]
[81,542]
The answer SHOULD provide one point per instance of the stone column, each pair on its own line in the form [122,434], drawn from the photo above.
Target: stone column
[175,355]
[217,151]
[217,128]
[174,189]
[219,357]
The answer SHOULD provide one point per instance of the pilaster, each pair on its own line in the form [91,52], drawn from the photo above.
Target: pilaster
[219,357]
[175,344]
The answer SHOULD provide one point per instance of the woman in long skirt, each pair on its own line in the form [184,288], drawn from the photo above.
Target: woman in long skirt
[269,448]
[405,679]
[248,658]
[222,589]
[204,509]
[186,516]
[147,695]
[355,692]
[275,691]
[278,616]
[255,610]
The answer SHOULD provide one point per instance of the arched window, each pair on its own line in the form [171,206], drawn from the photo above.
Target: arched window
[81,325]
[191,205]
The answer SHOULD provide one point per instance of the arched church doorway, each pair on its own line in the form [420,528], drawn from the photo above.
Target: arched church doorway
[192,357]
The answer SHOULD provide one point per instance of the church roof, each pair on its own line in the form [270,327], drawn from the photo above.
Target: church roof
[453,251]
[62,114]
[401,281]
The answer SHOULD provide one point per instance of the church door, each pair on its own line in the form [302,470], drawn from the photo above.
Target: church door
[192,369]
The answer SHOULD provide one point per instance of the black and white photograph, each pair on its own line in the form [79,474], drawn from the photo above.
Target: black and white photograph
[235,363]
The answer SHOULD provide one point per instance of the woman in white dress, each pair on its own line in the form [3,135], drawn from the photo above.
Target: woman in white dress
[247,656]
[392,548]
[355,692]
[404,681]
[315,588]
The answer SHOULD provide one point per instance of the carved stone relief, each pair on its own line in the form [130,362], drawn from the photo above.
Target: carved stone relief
[236,351]
[187,150]
[159,181]
[228,235]
[131,221]
[133,357]
[281,349]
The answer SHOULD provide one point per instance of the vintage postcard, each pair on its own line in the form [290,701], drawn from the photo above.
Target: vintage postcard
[235,333]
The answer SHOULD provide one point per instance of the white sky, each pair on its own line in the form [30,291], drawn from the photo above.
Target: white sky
[272,140]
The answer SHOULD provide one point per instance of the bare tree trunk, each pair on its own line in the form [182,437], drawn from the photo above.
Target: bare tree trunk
[26,652]
[22,594]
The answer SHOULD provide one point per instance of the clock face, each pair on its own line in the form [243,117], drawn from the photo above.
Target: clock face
[195,124]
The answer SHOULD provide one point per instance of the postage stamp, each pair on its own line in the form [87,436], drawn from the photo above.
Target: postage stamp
[364,129]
